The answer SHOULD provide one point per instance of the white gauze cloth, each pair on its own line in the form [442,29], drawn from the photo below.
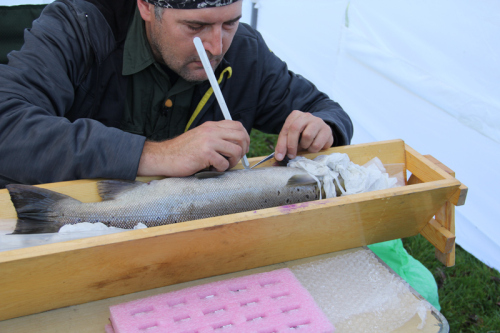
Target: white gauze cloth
[357,179]
[87,226]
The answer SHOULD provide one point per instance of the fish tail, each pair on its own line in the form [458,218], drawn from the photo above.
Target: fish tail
[35,207]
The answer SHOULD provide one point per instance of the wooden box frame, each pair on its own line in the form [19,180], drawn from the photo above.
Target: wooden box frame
[51,276]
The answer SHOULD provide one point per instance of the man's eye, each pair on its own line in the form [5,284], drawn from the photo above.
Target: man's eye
[194,28]
[231,24]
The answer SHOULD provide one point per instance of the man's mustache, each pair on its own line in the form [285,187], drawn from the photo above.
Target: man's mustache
[210,56]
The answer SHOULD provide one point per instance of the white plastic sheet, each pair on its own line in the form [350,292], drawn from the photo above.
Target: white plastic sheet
[423,71]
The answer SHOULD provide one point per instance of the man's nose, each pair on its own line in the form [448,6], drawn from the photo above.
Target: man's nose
[213,41]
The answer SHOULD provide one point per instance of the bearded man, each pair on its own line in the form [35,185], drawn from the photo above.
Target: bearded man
[116,89]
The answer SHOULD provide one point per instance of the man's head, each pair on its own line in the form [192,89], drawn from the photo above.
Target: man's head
[171,26]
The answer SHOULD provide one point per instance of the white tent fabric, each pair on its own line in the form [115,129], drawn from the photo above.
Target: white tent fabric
[247,6]
[23,2]
[424,71]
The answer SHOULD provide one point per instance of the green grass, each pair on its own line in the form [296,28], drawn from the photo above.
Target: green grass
[469,292]
[261,144]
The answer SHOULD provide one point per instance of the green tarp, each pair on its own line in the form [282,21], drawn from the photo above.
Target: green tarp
[411,270]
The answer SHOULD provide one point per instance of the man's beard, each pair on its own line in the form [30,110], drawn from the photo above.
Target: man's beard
[162,54]
[183,71]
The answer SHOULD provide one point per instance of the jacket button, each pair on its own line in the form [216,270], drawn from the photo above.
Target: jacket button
[168,103]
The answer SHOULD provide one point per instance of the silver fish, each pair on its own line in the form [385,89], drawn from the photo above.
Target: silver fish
[170,200]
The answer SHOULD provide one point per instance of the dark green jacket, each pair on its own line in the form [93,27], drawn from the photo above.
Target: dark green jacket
[62,95]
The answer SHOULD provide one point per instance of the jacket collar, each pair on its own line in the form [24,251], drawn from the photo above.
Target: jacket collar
[137,53]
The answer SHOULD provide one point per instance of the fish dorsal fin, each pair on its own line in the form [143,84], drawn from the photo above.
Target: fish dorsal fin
[301,180]
[109,189]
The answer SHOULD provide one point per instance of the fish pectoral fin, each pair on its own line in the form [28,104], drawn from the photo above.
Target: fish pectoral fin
[301,180]
[110,189]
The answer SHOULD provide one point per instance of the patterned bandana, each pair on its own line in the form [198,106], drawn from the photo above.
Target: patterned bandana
[190,4]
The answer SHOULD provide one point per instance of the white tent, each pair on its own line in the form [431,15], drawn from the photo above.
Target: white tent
[425,71]
[23,2]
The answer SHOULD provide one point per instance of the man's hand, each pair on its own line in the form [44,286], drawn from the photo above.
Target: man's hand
[218,144]
[314,135]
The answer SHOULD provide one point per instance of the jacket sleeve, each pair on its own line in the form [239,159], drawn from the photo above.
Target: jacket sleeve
[37,88]
[282,91]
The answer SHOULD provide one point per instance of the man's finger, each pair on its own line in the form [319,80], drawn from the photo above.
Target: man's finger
[309,134]
[235,132]
[283,139]
[226,130]
[323,140]
[294,134]
[232,152]
[219,162]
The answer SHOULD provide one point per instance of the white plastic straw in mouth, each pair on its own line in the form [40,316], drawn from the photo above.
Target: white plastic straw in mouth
[215,86]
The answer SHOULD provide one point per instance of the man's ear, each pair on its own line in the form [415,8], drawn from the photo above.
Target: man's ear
[146,9]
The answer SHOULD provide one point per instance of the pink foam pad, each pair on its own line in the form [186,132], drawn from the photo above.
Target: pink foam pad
[109,329]
[269,302]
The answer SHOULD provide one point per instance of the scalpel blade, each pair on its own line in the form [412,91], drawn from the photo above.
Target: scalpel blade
[263,160]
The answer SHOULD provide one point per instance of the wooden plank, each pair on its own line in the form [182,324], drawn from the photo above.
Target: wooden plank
[389,152]
[413,180]
[439,236]
[57,275]
[446,217]
[440,165]
[459,198]
[447,259]
[422,168]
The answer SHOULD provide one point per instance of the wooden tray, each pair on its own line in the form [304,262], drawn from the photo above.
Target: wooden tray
[52,276]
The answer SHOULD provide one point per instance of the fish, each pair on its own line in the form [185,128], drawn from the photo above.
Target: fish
[171,200]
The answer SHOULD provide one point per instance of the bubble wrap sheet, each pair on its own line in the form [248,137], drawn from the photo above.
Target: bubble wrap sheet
[359,294]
